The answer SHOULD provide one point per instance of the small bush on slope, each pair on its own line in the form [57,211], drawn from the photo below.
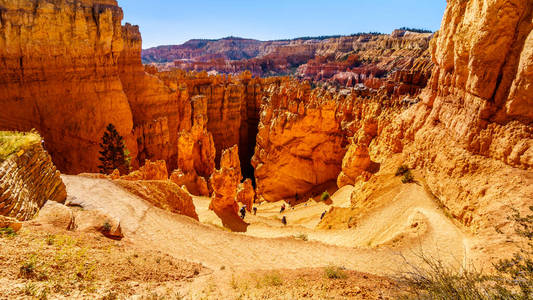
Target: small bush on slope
[402,170]
[332,272]
[408,177]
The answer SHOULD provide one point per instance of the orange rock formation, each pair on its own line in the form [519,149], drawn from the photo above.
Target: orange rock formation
[67,88]
[470,136]
[226,189]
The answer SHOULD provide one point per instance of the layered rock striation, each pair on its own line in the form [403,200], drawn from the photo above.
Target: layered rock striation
[28,179]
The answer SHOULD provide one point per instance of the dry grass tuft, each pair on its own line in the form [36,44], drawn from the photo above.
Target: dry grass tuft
[12,142]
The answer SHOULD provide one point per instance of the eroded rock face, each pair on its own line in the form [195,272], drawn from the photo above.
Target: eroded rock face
[470,135]
[227,188]
[149,171]
[87,72]
[225,182]
[473,112]
[163,194]
[300,143]
[225,107]
[246,194]
[60,75]
[304,134]
[196,148]
[196,185]
[316,59]
[27,180]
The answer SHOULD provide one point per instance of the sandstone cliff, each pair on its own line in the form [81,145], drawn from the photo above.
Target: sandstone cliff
[28,179]
[470,135]
[473,128]
[59,74]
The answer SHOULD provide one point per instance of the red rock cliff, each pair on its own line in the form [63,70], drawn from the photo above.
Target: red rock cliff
[59,74]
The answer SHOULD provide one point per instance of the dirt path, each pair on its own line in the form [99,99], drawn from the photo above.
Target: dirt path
[182,237]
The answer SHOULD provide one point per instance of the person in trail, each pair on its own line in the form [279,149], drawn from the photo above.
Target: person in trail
[243,211]
[255,211]
[282,208]
[322,216]
[284,220]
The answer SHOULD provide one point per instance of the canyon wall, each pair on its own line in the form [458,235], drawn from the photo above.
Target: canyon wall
[469,132]
[470,135]
[345,60]
[68,69]
[59,74]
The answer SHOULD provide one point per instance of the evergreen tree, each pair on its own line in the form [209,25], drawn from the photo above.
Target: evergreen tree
[114,154]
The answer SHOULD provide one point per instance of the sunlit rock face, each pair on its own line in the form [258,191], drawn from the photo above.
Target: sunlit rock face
[470,135]
[347,60]
[473,127]
[28,179]
[59,74]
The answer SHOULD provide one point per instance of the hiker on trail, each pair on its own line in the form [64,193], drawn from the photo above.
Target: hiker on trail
[322,216]
[284,220]
[243,211]
[282,208]
[255,211]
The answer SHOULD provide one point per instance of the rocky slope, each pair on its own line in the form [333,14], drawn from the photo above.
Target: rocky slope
[28,179]
[468,133]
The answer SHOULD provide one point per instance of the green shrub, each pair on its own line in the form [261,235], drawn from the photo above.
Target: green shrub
[402,170]
[332,272]
[27,270]
[7,232]
[302,236]
[408,177]
[114,153]
[271,279]
[106,227]
[325,196]
[50,239]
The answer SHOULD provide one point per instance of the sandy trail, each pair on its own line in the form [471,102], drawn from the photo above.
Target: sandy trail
[273,246]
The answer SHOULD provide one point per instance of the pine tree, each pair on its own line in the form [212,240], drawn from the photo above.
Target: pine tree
[114,154]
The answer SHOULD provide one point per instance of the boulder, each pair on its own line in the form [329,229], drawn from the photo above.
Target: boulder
[56,215]
[96,221]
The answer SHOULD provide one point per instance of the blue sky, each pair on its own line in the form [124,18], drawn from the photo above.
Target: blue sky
[166,22]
